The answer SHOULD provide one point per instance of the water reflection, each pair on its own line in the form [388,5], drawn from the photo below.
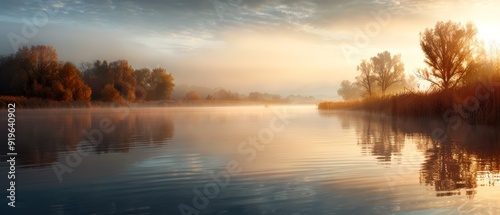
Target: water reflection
[487,178]
[468,158]
[62,131]
[313,166]
[377,135]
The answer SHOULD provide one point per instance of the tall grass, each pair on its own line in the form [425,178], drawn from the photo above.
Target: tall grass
[477,103]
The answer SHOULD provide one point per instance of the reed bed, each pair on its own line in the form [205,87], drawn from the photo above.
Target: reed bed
[475,104]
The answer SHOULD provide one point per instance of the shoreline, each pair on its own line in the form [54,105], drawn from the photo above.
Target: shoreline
[38,103]
[476,104]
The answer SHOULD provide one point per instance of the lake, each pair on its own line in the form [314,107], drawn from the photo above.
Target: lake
[247,160]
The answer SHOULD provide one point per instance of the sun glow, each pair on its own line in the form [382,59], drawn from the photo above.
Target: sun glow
[489,34]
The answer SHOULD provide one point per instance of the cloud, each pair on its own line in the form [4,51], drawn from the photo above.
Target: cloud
[211,38]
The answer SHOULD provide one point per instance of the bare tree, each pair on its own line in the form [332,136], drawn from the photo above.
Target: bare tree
[388,70]
[348,90]
[408,83]
[450,50]
[366,79]
[490,61]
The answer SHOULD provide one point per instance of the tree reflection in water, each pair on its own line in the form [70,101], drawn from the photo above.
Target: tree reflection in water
[468,158]
[62,129]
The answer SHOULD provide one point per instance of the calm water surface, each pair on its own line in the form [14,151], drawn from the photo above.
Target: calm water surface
[286,160]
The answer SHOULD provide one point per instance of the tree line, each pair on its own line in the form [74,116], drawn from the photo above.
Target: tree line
[37,72]
[381,74]
[454,56]
[228,95]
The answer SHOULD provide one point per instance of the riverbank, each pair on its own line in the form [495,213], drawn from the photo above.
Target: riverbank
[478,104]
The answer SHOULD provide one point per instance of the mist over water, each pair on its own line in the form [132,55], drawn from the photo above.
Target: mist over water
[292,160]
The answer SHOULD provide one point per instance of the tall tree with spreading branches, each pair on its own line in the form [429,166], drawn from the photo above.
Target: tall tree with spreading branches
[388,70]
[367,78]
[450,52]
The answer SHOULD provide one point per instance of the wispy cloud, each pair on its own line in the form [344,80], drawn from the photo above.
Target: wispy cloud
[159,30]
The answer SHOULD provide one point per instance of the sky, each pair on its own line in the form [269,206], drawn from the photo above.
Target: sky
[275,46]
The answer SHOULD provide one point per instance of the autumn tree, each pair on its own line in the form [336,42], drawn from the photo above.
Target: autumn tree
[387,69]
[39,65]
[110,94]
[164,82]
[156,83]
[69,85]
[450,52]
[97,76]
[118,75]
[367,78]
[143,77]
[36,72]
[123,79]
